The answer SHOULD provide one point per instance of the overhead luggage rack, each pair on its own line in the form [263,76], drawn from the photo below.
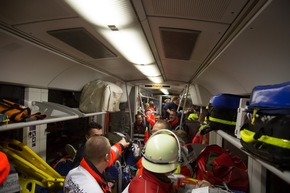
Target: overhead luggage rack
[54,113]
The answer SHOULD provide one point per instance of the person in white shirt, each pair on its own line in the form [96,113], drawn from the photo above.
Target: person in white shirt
[89,176]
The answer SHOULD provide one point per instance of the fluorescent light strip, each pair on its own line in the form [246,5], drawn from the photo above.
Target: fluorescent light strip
[104,12]
[155,79]
[129,40]
[131,44]
[164,91]
[148,70]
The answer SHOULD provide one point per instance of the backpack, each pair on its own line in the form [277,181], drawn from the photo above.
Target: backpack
[219,166]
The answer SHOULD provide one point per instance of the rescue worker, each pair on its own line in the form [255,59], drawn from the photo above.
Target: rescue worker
[139,129]
[4,167]
[95,129]
[168,107]
[188,154]
[193,117]
[89,175]
[149,114]
[157,117]
[161,124]
[174,120]
[160,159]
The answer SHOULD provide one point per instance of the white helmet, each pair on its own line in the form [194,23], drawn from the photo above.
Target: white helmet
[161,152]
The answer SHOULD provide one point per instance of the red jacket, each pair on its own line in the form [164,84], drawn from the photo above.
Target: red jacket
[4,167]
[115,152]
[148,182]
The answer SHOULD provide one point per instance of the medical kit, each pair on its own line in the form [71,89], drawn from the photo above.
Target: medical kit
[266,129]
[222,112]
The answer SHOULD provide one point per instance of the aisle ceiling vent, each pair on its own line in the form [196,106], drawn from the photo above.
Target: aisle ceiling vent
[178,43]
[82,40]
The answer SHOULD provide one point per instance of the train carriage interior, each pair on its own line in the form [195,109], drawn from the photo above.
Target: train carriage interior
[50,50]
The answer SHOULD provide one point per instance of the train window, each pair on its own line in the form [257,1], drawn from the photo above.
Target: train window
[12,93]
[65,132]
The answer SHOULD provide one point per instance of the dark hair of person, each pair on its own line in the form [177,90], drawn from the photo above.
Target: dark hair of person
[138,114]
[93,125]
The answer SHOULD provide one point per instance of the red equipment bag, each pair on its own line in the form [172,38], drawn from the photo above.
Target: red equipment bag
[219,166]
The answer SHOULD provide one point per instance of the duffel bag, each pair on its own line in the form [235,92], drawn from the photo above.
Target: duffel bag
[222,112]
[268,138]
[218,166]
[266,129]
[15,112]
[270,99]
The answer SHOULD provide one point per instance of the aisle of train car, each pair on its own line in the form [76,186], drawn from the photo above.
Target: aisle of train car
[193,49]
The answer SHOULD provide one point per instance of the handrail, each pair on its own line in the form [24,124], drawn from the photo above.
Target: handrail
[54,113]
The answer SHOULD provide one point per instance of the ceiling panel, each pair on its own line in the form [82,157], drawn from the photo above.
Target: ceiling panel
[16,12]
[258,56]
[216,21]
[221,11]
[208,37]
[116,66]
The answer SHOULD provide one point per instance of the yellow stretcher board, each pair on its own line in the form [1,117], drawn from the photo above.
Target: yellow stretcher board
[32,169]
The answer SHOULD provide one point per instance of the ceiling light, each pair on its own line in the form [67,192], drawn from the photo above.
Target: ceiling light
[164,91]
[104,12]
[155,79]
[128,37]
[148,70]
[131,43]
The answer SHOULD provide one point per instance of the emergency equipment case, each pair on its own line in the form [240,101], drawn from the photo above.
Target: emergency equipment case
[100,96]
[266,130]
[222,112]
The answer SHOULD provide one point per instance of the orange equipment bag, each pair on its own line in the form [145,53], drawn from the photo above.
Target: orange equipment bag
[14,111]
[17,112]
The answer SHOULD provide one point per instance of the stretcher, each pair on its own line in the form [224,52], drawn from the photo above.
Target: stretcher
[32,169]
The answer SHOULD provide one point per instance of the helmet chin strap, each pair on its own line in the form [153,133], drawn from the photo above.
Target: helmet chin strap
[167,131]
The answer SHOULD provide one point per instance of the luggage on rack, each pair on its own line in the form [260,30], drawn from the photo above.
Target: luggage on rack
[100,96]
[266,130]
[15,112]
[271,99]
[222,112]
